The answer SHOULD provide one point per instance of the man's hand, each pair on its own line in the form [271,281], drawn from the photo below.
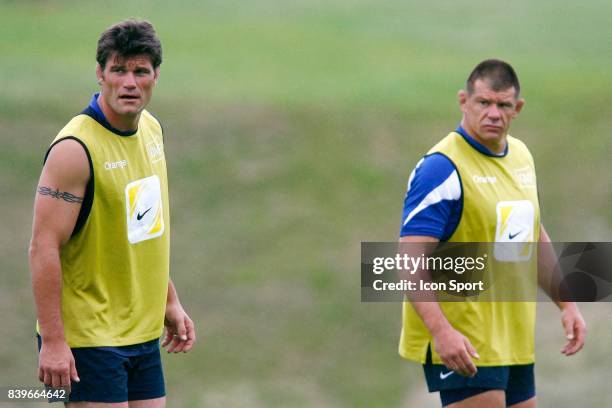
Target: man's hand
[575,329]
[56,367]
[180,331]
[455,350]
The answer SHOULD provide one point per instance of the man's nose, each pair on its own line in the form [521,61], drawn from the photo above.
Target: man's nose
[493,112]
[129,80]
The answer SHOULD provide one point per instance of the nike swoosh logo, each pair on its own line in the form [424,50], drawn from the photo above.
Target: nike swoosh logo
[513,236]
[139,215]
[444,375]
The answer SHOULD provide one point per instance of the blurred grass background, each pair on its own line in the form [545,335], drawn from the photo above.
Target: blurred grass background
[291,129]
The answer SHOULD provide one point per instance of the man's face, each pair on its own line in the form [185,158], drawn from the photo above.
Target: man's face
[127,83]
[487,113]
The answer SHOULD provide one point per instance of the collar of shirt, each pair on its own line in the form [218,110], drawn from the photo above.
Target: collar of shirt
[479,146]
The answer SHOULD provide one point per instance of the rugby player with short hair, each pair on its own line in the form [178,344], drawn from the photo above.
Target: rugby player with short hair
[478,185]
[99,254]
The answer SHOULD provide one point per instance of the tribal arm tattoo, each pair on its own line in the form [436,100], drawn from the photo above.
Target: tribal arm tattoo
[66,196]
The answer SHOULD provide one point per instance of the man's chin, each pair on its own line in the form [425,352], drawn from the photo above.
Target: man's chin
[129,110]
[491,134]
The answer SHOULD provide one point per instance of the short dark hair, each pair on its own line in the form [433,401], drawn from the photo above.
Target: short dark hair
[129,38]
[500,74]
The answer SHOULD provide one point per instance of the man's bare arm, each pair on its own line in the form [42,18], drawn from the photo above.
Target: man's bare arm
[453,347]
[549,279]
[56,207]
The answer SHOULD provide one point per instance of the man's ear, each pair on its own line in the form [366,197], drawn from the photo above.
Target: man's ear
[519,105]
[462,96]
[99,74]
[156,75]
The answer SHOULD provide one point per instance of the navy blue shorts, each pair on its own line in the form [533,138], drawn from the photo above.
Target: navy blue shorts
[518,382]
[117,374]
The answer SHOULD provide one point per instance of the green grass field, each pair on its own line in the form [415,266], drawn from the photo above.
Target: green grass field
[291,129]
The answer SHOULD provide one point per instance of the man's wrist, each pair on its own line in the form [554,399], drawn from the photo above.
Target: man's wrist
[53,338]
[174,304]
[439,327]
[564,306]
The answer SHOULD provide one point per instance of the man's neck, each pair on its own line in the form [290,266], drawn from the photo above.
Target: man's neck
[123,123]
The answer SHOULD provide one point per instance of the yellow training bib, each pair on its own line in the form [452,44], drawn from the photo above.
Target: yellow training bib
[115,268]
[499,198]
